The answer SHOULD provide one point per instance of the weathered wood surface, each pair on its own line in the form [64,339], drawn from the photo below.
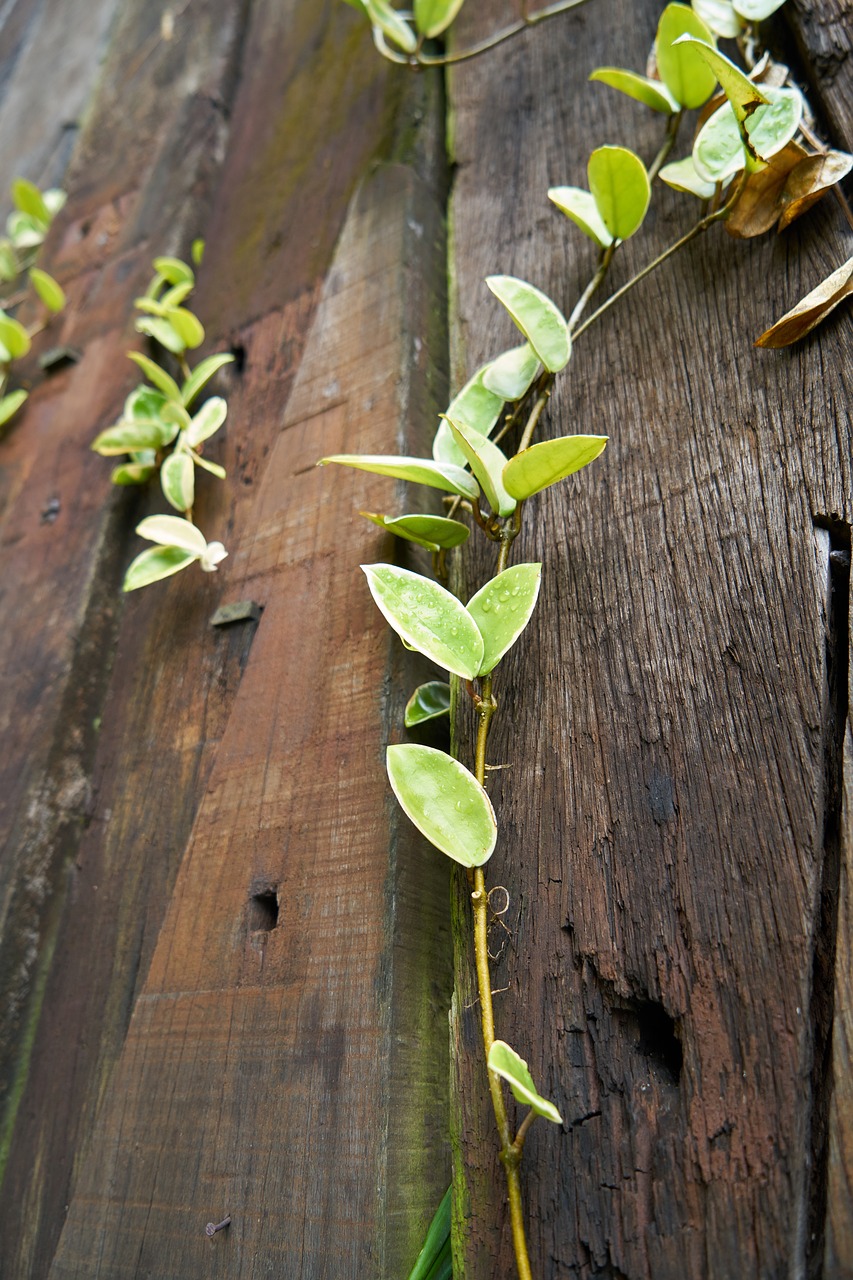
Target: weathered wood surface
[666,836]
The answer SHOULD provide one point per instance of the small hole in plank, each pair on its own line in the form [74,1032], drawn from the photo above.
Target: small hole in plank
[263,910]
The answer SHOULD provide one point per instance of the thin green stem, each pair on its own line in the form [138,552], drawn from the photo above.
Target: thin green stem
[595,282]
[535,414]
[419,59]
[702,225]
[666,146]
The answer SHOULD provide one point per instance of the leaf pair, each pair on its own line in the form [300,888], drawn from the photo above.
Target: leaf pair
[728,20]
[431,18]
[174,326]
[685,82]
[618,198]
[179,543]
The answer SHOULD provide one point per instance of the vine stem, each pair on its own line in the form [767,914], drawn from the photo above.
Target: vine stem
[419,59]
[702,225]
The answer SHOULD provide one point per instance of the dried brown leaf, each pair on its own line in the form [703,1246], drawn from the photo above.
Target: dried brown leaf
[810,180]
[811,309]
[760,203]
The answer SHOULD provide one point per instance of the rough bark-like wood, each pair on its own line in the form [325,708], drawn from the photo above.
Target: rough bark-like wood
[824,33]
[663,820]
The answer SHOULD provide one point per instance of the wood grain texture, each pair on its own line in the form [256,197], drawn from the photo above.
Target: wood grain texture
[824,33]
[281,1076]
[662,821]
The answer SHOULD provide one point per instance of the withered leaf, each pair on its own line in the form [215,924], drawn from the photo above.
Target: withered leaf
[811,309]
[810,180]
[761,201]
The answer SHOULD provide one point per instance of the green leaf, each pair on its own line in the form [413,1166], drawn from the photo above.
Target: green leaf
[127,436]
[131,473]
[187,326]
[171,298]
[427,617]
[503,608]
[161,331]
[177,480]
[688,78]
[741,92]
[445,448]
[475,406]
[155,374]
[506,1063]
[14,336]
[144,402]
[388,20]
[681,175]
[30,201]
[437,1239]
[153,564]
[206,465]
[444,801]
[487,462]
[720,16]
[652,93]
[620,186]
[545,463]
[197,249]
[718,151]
[48,289]
[54,200]
[438,475]
[541,322]
[511,373]
[172,531]
[427,703]
[207,421]
[174,271]
[8,261]
[432,532]
[434,16]
[201,375]
[25,232]
[580,206]
[10,405]
[757,10]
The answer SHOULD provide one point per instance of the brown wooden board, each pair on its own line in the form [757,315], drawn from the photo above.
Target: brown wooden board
[666,718]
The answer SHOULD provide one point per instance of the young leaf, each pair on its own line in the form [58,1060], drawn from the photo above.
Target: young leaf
[427,617]
[161,331]
[487,462]
[541,322]
[30,201]
[158,376]
[810,181]
[506,1063]
[503,608]
[741,92]
[444,801]
[10,405]
[172,531]
[757,10]
[132,473]
[432,532]
[545,463]
[177,480]
[201,375]
[620,187]
[197,252]
[389,22]
[510,374]
[137,433]
[14,336]
[681,175]
[720,16]
[438,475]
[155,563]
[187,326]
[434,16]
[427,703]
[174,271]
[652,93]
[207,421]
[580,206]
[47,289]
[206,465]
[475,406]
[810,310]
[445,448]
[688,78]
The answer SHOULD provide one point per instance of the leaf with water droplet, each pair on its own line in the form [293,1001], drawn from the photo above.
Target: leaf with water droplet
[427,617]
[506,1063]
[427,703]
[503,608]
[545,463]
[444,801]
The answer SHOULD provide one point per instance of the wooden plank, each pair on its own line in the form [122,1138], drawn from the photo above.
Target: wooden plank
[663,818]
[272,1074]
[824,34]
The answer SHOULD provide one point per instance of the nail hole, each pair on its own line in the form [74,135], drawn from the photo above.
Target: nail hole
[263,909]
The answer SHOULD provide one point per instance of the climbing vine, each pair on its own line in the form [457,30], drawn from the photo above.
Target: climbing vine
[754,163]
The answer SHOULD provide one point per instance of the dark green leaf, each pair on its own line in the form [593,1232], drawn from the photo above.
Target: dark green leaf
[437,1238]
[427,703]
